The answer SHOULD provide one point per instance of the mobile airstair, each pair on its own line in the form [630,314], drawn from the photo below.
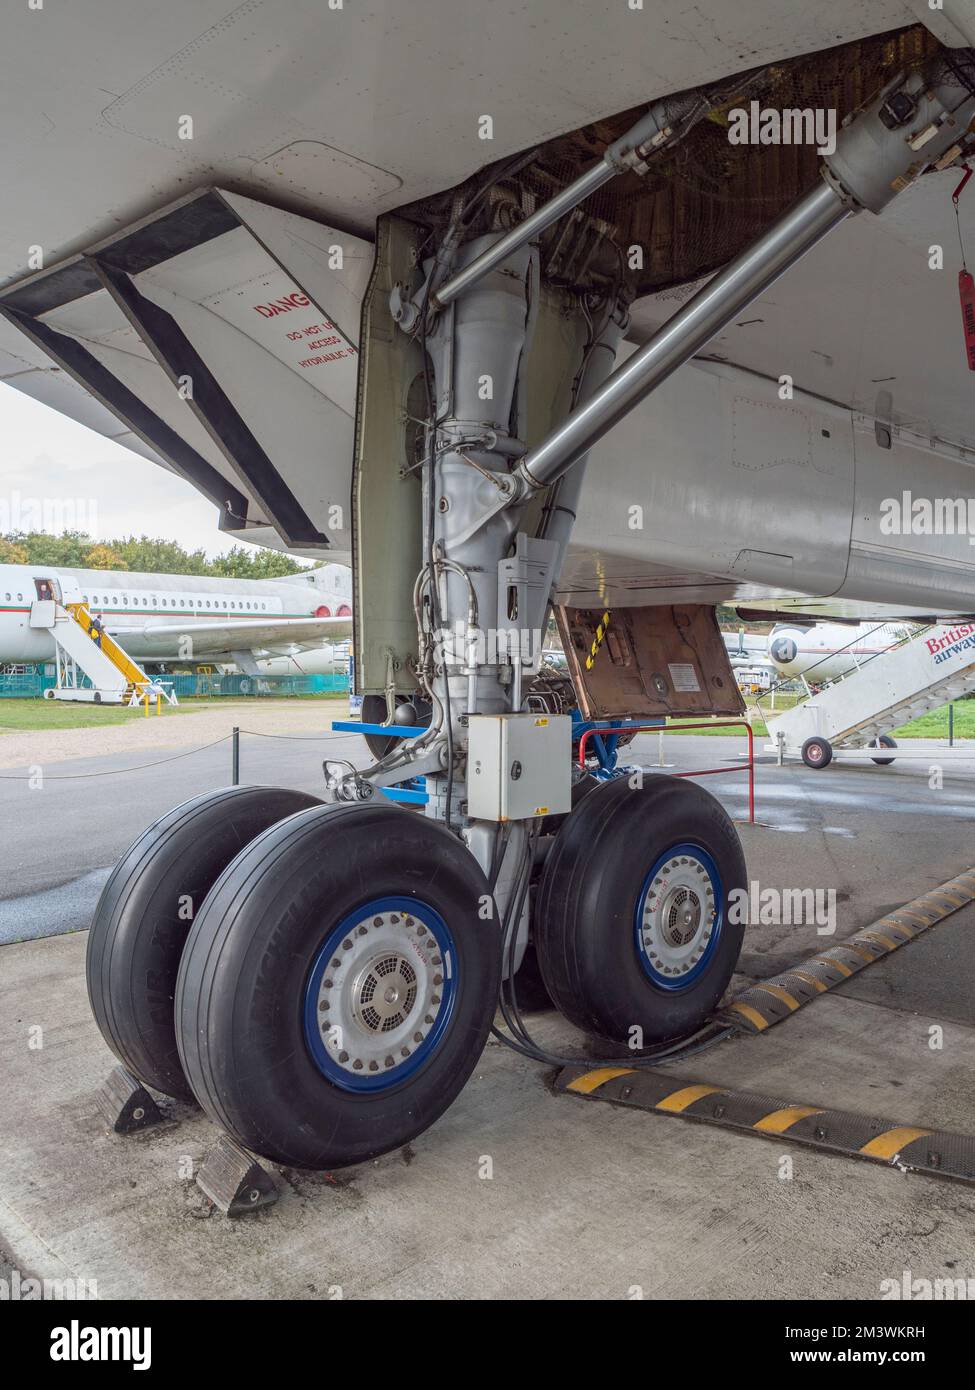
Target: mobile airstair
[91,666]
[855,713]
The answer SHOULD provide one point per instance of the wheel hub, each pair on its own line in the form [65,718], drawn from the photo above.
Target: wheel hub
[679,917]
[680,914]
[378,994]
[384,993]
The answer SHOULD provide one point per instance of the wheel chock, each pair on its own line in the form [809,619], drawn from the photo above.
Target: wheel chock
[909,1148]
[770,1001]
[234,1181]
[125,1105]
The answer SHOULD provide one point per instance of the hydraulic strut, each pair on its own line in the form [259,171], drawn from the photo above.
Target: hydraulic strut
[884,148]
[477,326]
[664,124]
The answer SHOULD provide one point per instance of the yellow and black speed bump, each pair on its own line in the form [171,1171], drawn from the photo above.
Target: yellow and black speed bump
[908,1147]
[770,1001]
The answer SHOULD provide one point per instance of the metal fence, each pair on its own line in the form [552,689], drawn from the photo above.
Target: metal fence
[31,684]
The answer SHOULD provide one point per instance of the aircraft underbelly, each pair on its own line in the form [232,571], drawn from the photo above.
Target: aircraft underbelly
[718,490]
[718,480]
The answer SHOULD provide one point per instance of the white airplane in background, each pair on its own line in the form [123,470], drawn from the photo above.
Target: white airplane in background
[260,625]
[826,651]
[746,648]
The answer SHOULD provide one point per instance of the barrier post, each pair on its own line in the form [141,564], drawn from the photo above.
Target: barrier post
[700,772]
[235,758]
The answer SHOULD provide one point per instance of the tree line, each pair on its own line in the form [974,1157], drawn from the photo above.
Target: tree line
[76,550]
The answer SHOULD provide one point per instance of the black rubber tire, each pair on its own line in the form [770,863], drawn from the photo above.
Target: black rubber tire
[530,991]
[817,753]
[240,993]
[587,900]
[374,712]
[138,933]
[884,741]
[580,789]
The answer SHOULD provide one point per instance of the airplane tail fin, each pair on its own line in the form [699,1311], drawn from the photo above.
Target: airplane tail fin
[327,579]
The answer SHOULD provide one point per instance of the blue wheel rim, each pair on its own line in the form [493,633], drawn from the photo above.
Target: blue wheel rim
[703,871]
[325,1045]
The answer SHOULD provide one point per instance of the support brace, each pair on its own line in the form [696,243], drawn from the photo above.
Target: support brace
[477,328]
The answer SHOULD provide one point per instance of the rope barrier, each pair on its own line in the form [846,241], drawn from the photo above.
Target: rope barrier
[116,771]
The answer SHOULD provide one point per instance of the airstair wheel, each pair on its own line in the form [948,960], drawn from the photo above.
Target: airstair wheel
[884,741]
[817,752]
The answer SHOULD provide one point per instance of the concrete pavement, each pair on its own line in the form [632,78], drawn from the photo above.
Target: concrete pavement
[584,1200]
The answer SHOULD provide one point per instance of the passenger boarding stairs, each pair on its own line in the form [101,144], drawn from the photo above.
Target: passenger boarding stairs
[115,678]
[924,671]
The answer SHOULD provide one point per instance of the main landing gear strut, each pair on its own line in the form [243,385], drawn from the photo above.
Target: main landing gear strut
[322,977]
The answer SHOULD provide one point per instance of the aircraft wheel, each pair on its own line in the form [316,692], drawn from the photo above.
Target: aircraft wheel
[884,741]
[817,752]
[632,925]
[145,912]
[338,986]
[408,712]
[580,789]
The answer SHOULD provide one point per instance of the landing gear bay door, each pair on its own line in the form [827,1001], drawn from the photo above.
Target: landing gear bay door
[648,661]
[223,332]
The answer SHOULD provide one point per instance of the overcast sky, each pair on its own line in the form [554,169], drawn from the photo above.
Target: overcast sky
[76,479]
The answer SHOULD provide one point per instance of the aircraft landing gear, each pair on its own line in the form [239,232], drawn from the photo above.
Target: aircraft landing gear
[632,925]
[338,985]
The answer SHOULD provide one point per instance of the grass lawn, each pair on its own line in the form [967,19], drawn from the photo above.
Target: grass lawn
[61,714]
[33,714]
[931,725]
[935,724]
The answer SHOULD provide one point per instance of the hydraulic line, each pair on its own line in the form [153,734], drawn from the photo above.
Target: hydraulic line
[524,1044]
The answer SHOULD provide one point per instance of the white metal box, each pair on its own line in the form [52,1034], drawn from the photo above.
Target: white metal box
[518,766]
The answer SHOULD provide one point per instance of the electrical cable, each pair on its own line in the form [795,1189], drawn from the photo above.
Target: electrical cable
[522,1041]
[461,216]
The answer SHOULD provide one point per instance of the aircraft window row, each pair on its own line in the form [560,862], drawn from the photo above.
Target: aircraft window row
[9,597]
[185,604]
